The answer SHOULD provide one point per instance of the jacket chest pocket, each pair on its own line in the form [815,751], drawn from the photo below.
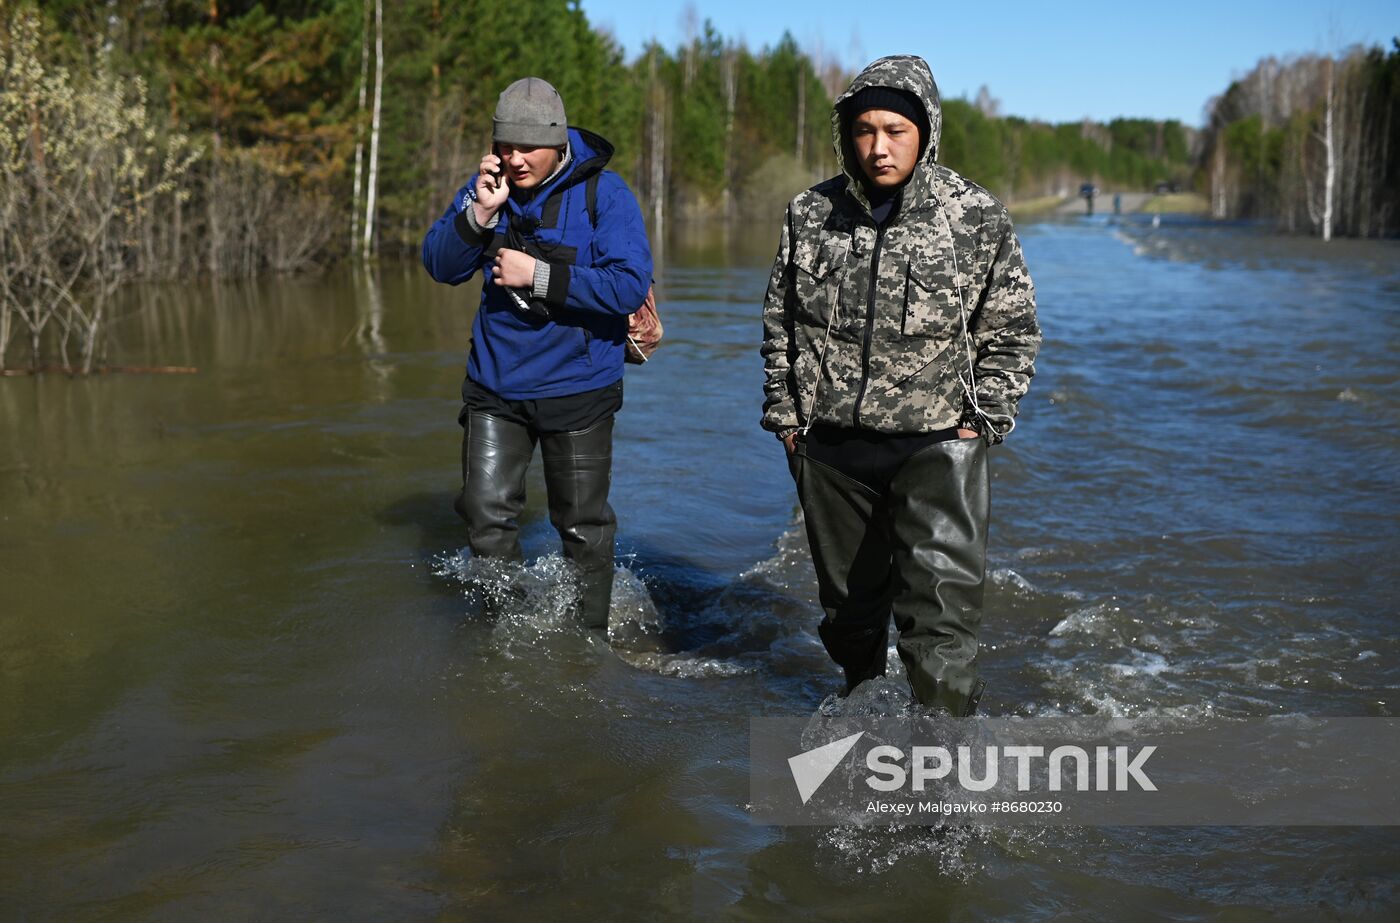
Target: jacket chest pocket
[932,307]
[818,273]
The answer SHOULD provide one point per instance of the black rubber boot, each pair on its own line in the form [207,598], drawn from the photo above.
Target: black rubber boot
[577,474]
[495,455]
[847,534]
[939,504]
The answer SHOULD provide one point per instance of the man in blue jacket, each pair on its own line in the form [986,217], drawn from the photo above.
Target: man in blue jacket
[565,257]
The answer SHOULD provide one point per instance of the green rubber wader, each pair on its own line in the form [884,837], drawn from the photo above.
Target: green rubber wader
[577,472]
[916,551]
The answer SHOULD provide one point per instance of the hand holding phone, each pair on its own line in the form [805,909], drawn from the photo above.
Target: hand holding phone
[492,185]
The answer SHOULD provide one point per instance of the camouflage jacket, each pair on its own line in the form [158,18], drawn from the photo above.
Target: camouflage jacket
[887,353]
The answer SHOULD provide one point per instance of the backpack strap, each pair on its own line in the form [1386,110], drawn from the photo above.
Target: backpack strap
[590,194]
[549,215]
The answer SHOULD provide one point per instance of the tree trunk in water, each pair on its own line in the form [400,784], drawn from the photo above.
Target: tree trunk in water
[730,78]
[215,228]
[94,328]
[360,132]
[657,177]
[374,128]
[1329,147]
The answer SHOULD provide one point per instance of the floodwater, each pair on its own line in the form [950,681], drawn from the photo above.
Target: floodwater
[245,673]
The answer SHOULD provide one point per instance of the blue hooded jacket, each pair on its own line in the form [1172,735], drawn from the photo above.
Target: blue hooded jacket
[598,276]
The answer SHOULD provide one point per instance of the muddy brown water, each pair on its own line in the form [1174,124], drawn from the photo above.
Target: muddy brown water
[243,674]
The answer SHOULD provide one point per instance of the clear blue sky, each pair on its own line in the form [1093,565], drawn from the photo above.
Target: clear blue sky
[1053,61]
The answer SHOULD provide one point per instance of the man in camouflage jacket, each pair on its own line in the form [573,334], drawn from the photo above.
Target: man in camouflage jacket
[899,336]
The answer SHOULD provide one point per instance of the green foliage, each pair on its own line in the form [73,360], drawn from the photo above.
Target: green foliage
[263,83]
[1265,153]
[272,88]
[1016,158]
[84,181]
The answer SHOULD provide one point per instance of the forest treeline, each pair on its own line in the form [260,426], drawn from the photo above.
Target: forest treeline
[146,139]
[1312,143]
[284,101]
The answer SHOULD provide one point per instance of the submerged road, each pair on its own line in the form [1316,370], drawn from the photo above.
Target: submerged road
[1103,203]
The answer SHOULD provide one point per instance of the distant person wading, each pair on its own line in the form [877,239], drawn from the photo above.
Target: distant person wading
[899,335]
[549,337]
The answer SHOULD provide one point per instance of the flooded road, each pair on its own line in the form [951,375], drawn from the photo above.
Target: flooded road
[245,673]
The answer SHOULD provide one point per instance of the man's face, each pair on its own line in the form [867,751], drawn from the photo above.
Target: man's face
[527,166]
[887,145]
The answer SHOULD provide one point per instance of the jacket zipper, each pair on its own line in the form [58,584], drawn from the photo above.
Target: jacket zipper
[869,324]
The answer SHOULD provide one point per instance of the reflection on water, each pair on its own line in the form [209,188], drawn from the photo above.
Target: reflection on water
[246,672]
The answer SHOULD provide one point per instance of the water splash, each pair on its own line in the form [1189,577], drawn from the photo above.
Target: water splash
[531,607]
[789,569]
[1005,577]
[956,850]
[877,850]
[881,697]
[534,599]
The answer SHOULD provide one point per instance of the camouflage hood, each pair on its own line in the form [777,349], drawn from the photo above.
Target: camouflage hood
[911,74]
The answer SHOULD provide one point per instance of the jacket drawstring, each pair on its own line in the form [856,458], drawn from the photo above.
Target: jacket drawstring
[821,361]
[969,383]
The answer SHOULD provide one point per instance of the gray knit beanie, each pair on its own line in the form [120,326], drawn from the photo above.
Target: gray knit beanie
[530,112]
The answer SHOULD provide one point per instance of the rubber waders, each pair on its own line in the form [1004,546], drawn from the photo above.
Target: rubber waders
[577,470]
[915,550]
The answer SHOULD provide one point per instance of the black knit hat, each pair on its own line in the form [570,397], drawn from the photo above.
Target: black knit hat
[891,99]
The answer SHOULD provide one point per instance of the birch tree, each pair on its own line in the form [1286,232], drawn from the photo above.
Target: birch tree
[360,131]
[656,138]
[729,77]
[1329,152]
[370,195]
